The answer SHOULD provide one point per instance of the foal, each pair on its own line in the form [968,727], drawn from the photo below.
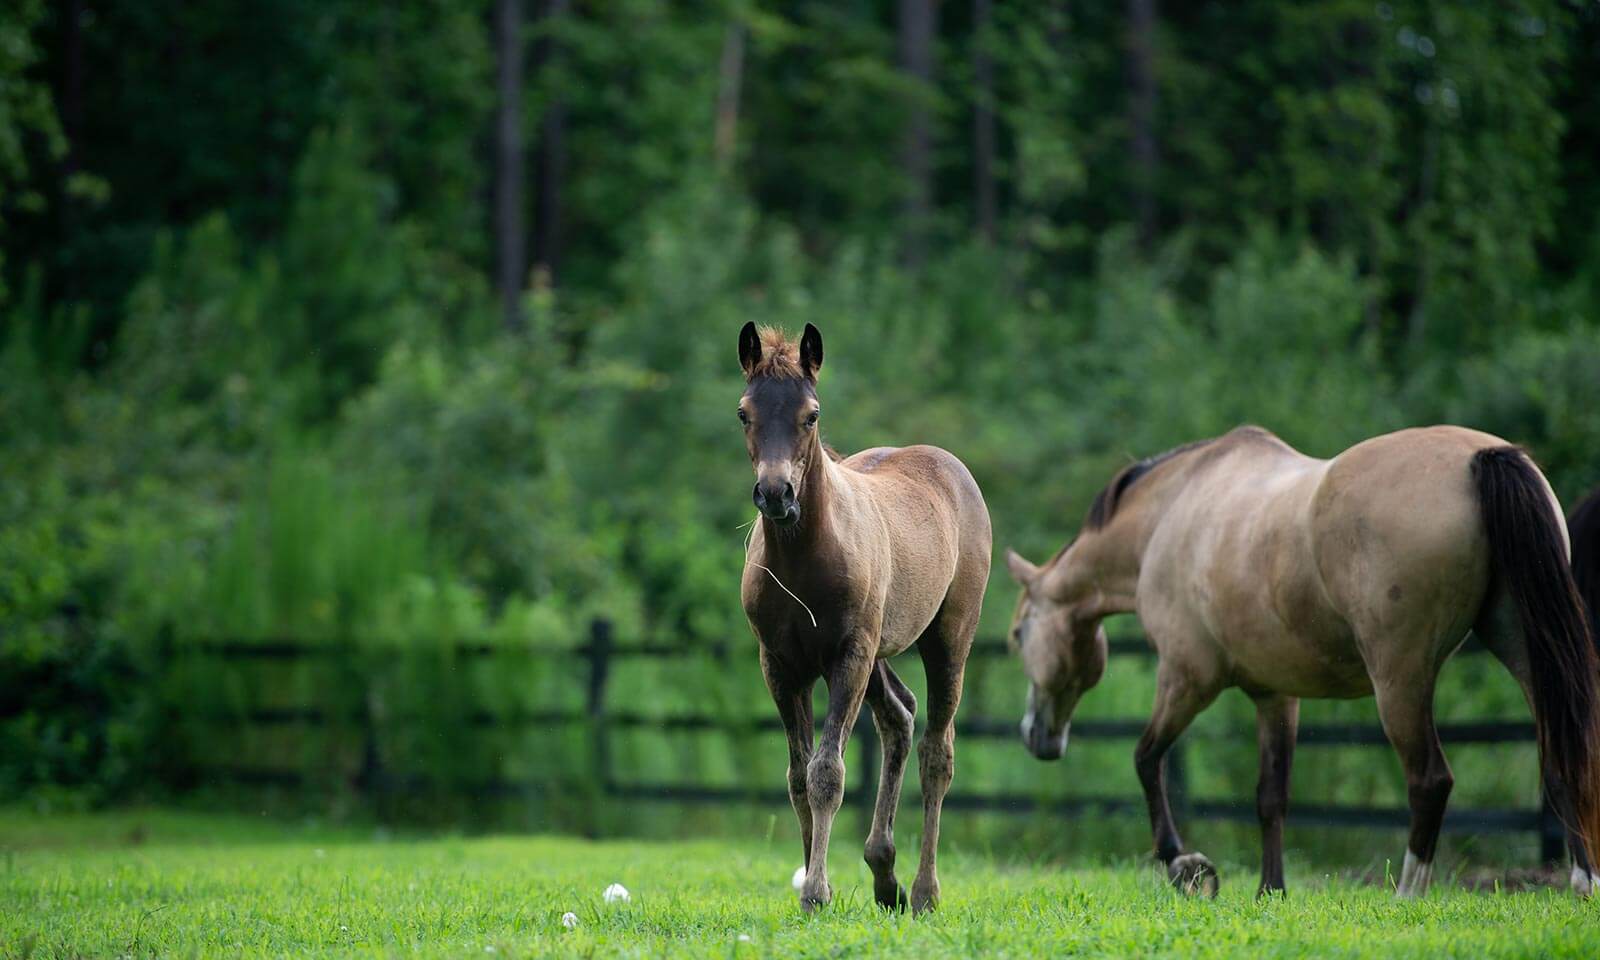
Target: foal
[1254,566]
[851,562]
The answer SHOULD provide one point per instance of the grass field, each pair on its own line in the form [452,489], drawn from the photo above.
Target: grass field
[154,883]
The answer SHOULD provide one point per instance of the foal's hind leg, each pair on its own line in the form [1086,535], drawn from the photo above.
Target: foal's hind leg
[893,711]
[944,648]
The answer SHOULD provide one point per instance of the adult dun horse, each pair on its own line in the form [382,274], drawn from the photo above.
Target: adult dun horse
[853,561]
[1252,565]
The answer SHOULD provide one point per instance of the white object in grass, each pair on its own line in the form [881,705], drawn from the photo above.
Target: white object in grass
[569,920]
[799,879]
[617,893]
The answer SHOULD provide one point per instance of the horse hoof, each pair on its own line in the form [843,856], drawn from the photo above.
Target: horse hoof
[812,900]
[1584,883]
[896,901]
[923,901]
[1193,875]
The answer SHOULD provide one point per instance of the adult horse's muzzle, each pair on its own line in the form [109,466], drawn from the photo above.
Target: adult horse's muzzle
[778,505]
[1043,735]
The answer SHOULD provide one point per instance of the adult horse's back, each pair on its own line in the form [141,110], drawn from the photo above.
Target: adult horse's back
[1254,566]
[852,562]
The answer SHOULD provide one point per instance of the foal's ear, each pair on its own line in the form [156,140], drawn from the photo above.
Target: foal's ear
[1021,570]
[810,352]
[749,348]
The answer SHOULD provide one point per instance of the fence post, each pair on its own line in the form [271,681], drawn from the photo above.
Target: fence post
[599,664]
[1552,835]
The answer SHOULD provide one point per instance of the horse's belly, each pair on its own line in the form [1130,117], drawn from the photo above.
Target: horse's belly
[1324,665]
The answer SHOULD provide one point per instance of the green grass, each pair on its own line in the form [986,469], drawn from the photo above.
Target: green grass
[181,885]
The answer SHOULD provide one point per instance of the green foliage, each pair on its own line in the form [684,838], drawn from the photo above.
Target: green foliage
[256,387]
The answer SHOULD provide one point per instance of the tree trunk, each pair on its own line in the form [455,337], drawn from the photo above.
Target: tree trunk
[1142,83]
[983,121]
[918,22]
[730,77]
[551,158]
[510,244]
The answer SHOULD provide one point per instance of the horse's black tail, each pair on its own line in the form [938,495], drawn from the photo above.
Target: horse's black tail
[1526,550]
[1584,528]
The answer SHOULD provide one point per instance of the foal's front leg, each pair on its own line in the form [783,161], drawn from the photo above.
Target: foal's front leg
[847,685]
[793,700]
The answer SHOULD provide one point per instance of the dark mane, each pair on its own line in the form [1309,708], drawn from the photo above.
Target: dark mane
[1105,502]
[1584,528]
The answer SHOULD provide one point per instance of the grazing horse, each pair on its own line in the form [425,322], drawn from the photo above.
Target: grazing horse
[851,562]
[1254,566]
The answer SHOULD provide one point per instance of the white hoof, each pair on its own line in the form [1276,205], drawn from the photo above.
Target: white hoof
[1584,882]
[1414,877]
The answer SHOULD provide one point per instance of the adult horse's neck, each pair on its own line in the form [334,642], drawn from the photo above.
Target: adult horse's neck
[805,538]
[1099,571]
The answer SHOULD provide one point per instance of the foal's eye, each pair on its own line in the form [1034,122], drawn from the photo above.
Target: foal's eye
[811,420]
[743,417]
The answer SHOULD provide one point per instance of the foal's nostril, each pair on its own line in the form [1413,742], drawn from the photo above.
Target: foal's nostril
[788,493]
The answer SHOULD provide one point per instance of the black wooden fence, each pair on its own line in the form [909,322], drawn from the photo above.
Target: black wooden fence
[601,651]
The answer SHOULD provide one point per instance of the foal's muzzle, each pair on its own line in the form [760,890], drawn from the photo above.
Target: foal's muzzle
[777,503]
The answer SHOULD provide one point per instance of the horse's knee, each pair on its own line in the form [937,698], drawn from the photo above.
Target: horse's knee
[825,781]
[1431,788]
[879,854]
[1271,804]
[1147,762]
[937,759]
[797,781]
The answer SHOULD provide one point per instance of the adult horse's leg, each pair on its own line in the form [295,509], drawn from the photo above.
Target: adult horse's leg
[1178,699]
[1405,706]
[1277,720]
[794,711]
[944,647]
[847,687]
[894,710]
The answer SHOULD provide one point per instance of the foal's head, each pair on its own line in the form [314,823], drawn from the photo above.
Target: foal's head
[1057,631]
[779,412]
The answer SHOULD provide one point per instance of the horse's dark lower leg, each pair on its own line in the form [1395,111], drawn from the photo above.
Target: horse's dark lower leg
[944,660]
[1406,709]
[1277,719]
[893,712]
[1177,702]
[847,687]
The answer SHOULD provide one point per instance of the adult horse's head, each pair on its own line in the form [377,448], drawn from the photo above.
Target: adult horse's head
[1057,631]
[779,411]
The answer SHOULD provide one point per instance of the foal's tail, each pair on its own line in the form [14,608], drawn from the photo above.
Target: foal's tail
[1526,549]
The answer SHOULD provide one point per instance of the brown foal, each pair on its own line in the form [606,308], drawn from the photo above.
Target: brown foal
[851,562]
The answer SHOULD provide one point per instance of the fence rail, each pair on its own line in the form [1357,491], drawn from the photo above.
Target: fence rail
[600,652]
